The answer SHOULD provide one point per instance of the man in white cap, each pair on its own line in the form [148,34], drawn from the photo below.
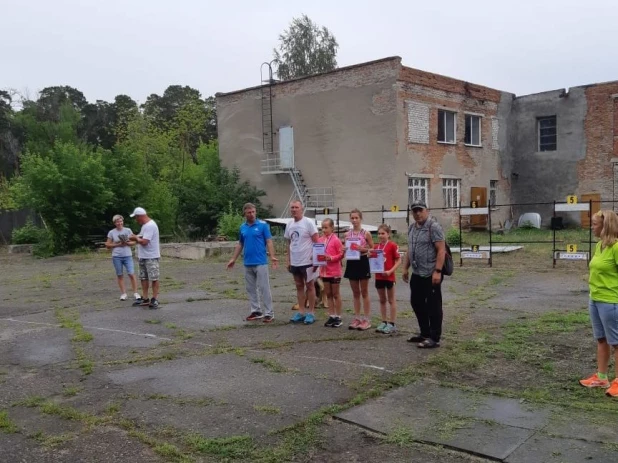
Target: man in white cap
[148,255]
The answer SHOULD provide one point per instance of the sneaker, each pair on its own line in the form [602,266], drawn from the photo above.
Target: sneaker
[338,322]
[416,338]
[268,319]
[613,389]
[298,317]
[354,324]
[364,325]
[594,381]
[154,304]
[123,297]
[254,316]
[330,322]
[144,302]
[381,326]
[136,296]
[390,329]
[139,301]
[309,319]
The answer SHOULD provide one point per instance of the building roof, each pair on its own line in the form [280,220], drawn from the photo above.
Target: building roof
[342,69]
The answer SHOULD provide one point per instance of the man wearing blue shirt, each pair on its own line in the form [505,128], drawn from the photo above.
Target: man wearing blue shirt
[255,239]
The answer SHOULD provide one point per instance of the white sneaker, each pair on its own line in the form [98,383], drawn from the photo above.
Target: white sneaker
[136,296]
[123,297]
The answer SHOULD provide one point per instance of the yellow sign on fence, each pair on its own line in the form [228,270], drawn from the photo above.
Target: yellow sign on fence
[394,208]
[571,248]
[571,199]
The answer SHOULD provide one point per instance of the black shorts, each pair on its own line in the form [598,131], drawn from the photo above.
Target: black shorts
[301,270]
[381,284]
[357,269]
[332,280]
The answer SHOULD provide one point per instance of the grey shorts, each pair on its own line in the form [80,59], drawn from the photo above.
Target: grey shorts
[149,269]
[604,317]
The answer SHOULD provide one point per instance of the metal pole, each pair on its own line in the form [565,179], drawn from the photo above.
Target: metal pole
[382,213]
[590,232]
[338,225]
[553,253]
[490,242]
[460,240]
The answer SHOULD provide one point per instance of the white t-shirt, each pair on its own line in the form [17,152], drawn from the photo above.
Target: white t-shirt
[301,245]
[150,232]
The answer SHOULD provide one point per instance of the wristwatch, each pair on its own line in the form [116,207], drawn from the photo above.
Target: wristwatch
[439,270]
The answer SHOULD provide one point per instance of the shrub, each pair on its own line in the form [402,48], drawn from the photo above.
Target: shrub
[28,234]
[230,223]
[452,237]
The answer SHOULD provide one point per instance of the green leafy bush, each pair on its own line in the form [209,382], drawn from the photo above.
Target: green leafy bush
[28,234]
[452,237]
[230,223]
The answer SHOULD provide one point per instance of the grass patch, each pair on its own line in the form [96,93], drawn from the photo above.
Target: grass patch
[267,409]
[400,436]
[171,326]
[30,402]
[165,449]
[112,408]
[64,412]
[6,425]
[70,320]
[153,321]
[52,441]
[70,391]
[270,364]
[228,448]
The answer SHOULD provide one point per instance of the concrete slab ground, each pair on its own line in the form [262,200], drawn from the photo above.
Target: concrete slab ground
[492,427]
[86,377]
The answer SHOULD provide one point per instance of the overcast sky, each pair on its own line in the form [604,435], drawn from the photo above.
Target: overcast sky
[139,47]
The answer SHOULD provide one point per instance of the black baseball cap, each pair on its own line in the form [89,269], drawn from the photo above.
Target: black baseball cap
[418,204]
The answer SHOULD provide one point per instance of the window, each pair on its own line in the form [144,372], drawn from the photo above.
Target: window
[548,139]
[473,130]
[418,189]
[493,190]
[450,191]
[446,126]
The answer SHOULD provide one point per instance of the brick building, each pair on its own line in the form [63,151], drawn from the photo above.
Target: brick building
[380,134]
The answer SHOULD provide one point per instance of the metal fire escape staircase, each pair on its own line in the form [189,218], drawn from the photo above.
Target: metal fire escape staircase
[282,161]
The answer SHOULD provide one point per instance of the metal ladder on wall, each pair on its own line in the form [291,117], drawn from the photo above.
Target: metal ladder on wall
[267,109]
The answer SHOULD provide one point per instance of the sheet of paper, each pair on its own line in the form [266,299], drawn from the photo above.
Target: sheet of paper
[319,254]
[351,246]
[376,261]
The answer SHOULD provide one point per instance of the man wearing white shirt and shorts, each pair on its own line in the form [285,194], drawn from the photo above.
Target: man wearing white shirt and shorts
[148,255]
[301,233]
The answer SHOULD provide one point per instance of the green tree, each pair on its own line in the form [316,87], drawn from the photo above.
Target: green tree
[68,188]
[305,49]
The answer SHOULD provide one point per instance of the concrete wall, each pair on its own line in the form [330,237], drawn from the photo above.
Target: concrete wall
[344,133]
[549,175]
[420,96]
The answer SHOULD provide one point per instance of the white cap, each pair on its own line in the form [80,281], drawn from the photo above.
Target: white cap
[138,211]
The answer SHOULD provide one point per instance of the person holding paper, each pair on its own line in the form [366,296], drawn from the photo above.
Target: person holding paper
[358,243]
[301,233]
[385,282]
[331,272]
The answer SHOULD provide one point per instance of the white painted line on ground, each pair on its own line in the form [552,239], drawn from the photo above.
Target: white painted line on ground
[154,336]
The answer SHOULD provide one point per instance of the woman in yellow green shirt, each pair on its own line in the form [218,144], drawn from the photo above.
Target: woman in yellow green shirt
[603,303]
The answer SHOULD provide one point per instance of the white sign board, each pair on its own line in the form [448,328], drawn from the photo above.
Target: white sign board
[395,215]
[563,207]
[571,255]
[474,211]
[321,217]
[286,147]
[475,255]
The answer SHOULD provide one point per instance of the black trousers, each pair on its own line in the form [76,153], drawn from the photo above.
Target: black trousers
[426,301]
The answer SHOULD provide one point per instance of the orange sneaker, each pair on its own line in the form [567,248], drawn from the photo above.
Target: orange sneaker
[594,381]
[364,325]
[613,389]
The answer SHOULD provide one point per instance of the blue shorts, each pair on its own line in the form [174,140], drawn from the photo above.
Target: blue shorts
[126,262]
[604,317]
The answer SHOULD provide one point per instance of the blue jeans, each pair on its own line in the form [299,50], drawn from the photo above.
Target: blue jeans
[126,262]
[604,317]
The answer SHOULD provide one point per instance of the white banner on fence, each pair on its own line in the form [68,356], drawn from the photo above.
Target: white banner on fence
[320,217]
[474,211]
[571,255]
[395,215]
[475,255]
[564,207]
